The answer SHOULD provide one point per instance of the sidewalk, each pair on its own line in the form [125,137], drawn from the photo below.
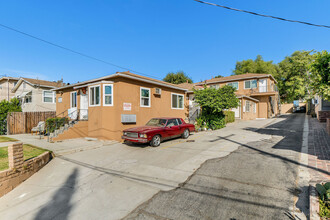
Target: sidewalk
[318,150]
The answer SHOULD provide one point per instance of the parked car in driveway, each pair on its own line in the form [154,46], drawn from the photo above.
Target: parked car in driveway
[157,130]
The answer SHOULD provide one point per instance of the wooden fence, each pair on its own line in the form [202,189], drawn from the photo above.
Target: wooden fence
[23,122]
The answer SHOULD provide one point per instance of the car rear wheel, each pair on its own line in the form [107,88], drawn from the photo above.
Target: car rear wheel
[155,141]
[185,134]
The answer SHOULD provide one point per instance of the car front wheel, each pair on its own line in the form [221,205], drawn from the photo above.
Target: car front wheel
[185,134]
[155,141]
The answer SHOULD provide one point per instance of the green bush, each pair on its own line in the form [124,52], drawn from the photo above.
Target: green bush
[229,116]
[8,106]
[55,123]
[211,121]
[324,195]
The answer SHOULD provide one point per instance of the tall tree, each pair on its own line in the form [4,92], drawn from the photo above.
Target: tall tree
[293,75]
[177,78]
[255,66]
[320,75]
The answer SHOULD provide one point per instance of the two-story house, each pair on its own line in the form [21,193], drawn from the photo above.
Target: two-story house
[6,86]
[258,95]
[36,95]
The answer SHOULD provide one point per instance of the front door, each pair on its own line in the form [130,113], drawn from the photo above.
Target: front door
[262,85]
[83,107]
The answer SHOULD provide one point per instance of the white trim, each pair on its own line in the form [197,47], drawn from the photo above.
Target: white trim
[250,83]
[238,79]
[145,106]
[91,84]
[53,98]
[234,82]
[89,95]
[178,100]
[71,99]
[151,81]
[247,97]
[104,85]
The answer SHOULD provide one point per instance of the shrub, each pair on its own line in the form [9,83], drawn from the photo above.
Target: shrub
[211,121]
[324,194]
[55,123]
[229,116]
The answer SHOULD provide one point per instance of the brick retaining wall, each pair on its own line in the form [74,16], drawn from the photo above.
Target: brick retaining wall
[20,170]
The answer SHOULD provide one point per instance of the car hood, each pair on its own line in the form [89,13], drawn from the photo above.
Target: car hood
[142,129]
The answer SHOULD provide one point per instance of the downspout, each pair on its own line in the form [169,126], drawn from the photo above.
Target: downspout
[8,89]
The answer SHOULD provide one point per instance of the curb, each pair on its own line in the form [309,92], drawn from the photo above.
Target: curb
[314,205]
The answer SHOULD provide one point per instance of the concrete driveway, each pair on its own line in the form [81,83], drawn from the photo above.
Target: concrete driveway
[110,181]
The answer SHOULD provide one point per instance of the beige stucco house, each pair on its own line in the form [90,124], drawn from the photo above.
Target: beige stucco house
[35,95]
[6,86]
[258,95]
[106,106]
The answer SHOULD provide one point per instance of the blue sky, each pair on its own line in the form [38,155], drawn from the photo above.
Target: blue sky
[153,37]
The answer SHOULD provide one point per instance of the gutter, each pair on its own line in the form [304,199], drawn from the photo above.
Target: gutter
[77,85]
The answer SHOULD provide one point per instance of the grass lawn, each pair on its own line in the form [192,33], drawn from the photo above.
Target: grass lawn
[29,152]
[6,139]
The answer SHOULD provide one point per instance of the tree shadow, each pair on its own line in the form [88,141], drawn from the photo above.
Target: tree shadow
[59,207]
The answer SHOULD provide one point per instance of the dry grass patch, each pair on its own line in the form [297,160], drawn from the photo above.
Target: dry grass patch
[6,139]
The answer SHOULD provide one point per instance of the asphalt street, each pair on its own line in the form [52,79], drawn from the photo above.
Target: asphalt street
[257,181]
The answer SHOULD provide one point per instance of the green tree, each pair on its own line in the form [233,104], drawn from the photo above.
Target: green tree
[177,78]
[255,66]
[218,76]
[213,102]
[292,77]
[8,106]
[320,75]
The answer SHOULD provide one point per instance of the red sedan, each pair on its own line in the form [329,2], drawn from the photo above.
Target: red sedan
[157,130]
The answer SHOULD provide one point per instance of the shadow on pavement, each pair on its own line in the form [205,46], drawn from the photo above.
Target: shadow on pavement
[59,206]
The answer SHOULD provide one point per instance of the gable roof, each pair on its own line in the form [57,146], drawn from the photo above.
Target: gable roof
[9,78]
[126,74]
[236,78]
[189,86]
[37,82]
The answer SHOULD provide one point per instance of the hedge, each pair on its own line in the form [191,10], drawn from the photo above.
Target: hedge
[55,123]
[229,116]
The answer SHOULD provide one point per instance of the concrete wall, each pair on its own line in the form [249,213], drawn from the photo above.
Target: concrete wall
[104,122]
[78,130]
[37,103]
[20,170]
[4,91]
[286,108]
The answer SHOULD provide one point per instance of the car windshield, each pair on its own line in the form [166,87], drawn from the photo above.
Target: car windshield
[157,122]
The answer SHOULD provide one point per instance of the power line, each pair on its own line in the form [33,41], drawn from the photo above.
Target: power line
[262,15]
[73,51]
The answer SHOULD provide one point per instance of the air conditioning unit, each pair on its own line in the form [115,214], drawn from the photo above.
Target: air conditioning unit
[158,91]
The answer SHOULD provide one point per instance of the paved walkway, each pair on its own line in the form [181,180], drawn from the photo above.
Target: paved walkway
[319,151]
[63,147]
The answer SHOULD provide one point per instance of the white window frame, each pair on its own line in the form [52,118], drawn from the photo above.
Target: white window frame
[215,86]
[247,106]
[53,97]
[104,95]
[235,82]
[71,99]
[254,107]
[89,96]
[251,84]
[145,106]
[178,101]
